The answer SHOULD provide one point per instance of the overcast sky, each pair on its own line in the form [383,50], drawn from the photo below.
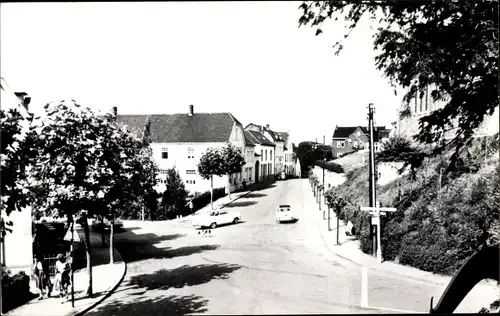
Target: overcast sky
[247,58]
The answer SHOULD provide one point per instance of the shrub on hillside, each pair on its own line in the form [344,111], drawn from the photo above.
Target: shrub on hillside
[330,166]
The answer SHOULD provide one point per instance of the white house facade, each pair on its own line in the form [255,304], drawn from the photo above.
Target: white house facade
[179,141]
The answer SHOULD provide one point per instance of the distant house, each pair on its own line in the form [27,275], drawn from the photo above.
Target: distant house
[179,140]
[348,139]
[17,251]
[289,164]
[251,160]
[264,155]
[277,139]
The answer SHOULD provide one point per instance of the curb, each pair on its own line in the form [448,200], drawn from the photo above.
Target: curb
[109,291]
[239,197]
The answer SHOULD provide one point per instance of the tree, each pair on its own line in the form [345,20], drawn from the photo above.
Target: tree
[451,46]
[306,156]
[86,167]
[234,162]
[335,201]
[218,162]
[174,197]
[15,155]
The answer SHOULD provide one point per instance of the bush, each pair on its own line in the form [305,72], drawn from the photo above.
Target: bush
[15,290]
[330,166]
[438,225]
[203,199]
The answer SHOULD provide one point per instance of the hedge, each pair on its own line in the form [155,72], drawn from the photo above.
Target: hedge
[330,166]
[202,200]
[15,291]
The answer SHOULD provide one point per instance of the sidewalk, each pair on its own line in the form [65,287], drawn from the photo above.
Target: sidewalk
[106,279]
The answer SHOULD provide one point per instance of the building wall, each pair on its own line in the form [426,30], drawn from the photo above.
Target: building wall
[185,158]
[279,157]
[266,161]
[19,243]
[249,167]
[420,107]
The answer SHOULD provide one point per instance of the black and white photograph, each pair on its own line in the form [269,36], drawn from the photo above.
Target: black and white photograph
[249,157]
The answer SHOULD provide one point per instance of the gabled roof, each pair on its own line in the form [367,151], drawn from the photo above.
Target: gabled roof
[249,139]
[259,138]
[173,128]
[344,132]
[275,135]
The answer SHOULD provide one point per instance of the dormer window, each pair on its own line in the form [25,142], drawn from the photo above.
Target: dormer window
[164,153]
[190,152]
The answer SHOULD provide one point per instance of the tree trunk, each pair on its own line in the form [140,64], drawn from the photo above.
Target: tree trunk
[229,187]
[212,192]
[111,235]
[88,250]
[103,238]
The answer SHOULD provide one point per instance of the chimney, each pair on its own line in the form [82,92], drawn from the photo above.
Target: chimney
[24,98]
[115,111]
[267,126]
[191,110]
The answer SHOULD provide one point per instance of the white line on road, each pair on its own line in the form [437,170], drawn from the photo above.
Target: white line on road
[395,310]
[364,287]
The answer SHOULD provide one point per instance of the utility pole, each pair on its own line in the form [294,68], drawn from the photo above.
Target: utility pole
[324,160]
[372,186]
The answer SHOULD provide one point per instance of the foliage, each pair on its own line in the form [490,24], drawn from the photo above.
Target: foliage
[437,226]
[86,162]
[335,200]
[15,155]
[174,197]
[15,289]
[462,70]
[221,161]
[330,166]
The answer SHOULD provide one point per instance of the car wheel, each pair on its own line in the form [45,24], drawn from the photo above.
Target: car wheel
[213,225]
[235,221]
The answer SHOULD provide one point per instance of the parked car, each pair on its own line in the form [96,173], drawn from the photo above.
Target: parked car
[284,214]
[99,225]
[216,218]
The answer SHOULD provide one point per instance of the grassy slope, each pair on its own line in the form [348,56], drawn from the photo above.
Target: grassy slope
[436,229]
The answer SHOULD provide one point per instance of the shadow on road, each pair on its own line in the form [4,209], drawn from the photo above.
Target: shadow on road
[183,276]
[253,195]
[132,253]
[262,186]
[241,204]
[165,305]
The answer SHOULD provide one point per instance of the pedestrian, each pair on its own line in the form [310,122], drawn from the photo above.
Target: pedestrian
[42,277]
[190,205]
[62,276]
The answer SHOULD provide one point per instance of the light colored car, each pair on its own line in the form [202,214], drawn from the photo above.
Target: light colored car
[216,218]
[284,214]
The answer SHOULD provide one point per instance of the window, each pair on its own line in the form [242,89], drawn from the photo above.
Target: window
[358,133]
[190,152]
[164,153]
[163,171]
[190,181]
[190,171]
[271,155]
[265,155]
[340,144]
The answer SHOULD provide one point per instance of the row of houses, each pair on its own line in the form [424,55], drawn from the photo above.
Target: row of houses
[179,140]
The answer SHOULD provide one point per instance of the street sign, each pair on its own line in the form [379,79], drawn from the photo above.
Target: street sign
[382,209]
[67,237]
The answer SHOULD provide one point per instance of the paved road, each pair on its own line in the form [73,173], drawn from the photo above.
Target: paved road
[255,267]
